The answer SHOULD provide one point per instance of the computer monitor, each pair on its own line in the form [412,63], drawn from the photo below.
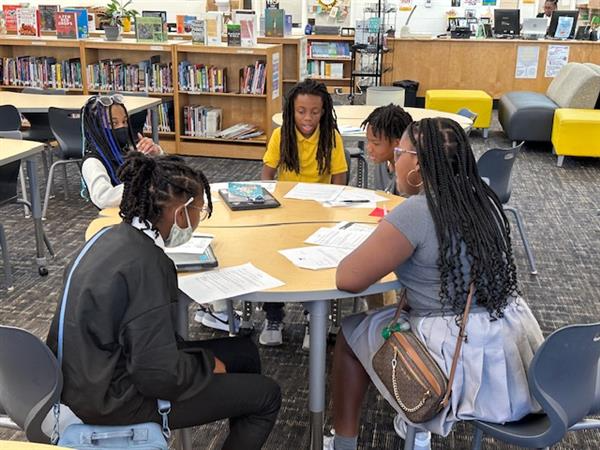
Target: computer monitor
[562,25]
[507,22]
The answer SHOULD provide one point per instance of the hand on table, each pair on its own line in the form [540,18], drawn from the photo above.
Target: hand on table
[147,146]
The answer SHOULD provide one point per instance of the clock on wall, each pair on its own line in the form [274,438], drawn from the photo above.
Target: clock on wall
[327,4]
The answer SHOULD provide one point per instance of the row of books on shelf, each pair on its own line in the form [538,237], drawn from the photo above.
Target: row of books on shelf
[201,78]
[206,121]
[166,120]
[329,50]
[44,72]
[145,76]
[70,23]
[325,69]
[253,78]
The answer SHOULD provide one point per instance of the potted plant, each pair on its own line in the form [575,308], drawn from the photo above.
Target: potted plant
[114,17]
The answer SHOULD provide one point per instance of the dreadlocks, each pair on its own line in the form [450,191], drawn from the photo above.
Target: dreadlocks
[150,182]
[99,138]
[327,126]
[388,121]
[468,219]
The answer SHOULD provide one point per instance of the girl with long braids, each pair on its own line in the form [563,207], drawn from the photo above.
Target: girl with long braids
[121,350]
[449,233]
[308,148]
[108,136]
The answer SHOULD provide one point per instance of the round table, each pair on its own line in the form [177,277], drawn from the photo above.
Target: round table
[17,445]
[256,236]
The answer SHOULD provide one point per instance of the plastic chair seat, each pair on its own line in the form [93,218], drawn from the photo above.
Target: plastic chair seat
[527,430]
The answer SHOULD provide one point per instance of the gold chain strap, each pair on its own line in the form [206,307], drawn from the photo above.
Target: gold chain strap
[395,386]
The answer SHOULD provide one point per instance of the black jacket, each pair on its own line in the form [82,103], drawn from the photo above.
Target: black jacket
[120,346]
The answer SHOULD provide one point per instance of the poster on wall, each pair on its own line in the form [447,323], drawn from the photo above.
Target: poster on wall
[557,57]
[275,69]
[528,58]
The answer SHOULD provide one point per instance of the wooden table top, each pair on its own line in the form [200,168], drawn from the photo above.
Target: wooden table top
[16,149]
[353,115]
[39,103]
[17,445]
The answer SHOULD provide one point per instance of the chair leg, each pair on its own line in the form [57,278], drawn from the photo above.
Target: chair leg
[477,439]
[560,160]
[485,132]
[246,324]
[521,227]
[23,182]
[6,257]
[409,440]
[48,190]
[231,317]
[65,182]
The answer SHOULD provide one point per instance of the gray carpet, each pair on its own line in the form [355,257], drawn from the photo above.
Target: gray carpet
[562,218]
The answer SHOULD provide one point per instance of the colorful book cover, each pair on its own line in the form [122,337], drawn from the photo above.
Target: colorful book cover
[47,13]
[274,19]
[234,38]
[248,25]
[10,16]
[199,32]
[184,23]
[27,22]
[82,21]
[149,29]
[163,18]
[66,25]
[214,27]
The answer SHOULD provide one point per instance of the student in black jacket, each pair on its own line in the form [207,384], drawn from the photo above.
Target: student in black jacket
[121,351]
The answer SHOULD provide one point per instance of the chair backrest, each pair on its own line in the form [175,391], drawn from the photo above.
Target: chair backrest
[30,382]
[10,119]
[466,112]
[562,374]
[9,173]
[576,86]
[496,165]
[66,128]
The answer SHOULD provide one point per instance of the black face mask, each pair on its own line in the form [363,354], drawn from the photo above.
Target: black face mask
[122,136]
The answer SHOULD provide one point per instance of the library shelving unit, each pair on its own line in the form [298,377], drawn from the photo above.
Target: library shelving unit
[95,50]
[236,107]
[294,58]
[333,83]
[587,10]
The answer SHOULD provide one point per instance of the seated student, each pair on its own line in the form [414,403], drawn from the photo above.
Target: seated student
[385,126]
[549,7]
[108,137]
[121,350]
[308,148]
[450,232]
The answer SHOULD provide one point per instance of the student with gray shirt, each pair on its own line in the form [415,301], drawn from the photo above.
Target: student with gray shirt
[449,233]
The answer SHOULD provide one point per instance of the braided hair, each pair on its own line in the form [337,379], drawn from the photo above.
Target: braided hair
[468,219]
[150,182]
[327,125]
[99,139]
[388,122]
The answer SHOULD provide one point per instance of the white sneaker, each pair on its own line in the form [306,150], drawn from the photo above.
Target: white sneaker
[306,340]
[220,320]
[272,333]
[328,441]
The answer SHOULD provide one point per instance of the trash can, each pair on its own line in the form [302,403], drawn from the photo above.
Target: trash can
[410,91]
[384,95]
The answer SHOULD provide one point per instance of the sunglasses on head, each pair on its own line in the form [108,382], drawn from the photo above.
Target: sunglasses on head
[108,100]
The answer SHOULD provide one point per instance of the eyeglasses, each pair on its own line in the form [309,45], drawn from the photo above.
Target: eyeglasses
[108,100]
[204,211]
[398,153]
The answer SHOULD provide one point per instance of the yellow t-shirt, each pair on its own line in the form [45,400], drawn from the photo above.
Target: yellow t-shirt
[307,151]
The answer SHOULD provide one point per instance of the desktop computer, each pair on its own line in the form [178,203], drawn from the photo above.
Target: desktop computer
[507,23]
[563,24]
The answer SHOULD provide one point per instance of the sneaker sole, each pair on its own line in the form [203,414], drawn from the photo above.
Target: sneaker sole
[216,325]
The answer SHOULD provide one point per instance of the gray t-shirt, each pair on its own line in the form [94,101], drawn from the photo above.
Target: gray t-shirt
[420,274]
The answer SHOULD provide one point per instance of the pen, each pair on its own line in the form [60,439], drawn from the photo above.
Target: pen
[355,201]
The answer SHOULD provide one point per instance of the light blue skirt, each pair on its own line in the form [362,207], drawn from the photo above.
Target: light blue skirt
[491,376]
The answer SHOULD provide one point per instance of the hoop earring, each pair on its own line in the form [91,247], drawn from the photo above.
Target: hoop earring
[408,179]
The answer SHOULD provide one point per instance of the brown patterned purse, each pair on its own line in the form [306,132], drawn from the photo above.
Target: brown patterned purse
[410,374]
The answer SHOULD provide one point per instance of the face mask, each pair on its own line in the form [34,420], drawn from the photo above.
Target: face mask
[179,236]
[122,136]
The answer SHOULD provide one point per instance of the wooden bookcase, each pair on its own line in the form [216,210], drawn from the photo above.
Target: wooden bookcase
[248,108]
[333,84]
[255,109]
[294,58]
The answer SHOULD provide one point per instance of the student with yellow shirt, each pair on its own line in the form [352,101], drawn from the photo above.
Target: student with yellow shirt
[308,148]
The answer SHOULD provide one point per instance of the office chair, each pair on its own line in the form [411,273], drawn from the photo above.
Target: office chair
[562,379]
[66,129]
[495,165]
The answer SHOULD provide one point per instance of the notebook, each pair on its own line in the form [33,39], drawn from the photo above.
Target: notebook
[236,203]
[188,262]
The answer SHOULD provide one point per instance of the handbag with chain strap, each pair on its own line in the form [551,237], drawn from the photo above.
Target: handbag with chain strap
[410,374]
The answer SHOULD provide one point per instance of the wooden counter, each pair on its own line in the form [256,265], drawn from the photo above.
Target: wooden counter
[486,64]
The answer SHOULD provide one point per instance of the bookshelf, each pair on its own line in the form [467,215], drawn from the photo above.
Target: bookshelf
[256,109]
[320,67]
[294,58]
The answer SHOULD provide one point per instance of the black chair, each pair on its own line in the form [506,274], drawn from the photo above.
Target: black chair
[10,123]
[562,379]
[8,194]
[495,166]
[30,382]
[66,129]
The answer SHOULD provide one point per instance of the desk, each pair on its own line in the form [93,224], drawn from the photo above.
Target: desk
[40,103]
[257,239]
[14,150]
[16,445]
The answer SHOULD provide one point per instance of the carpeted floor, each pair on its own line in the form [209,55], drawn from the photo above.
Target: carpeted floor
[562,216]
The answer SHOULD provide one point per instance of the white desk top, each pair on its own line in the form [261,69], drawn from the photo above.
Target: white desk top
[16,149]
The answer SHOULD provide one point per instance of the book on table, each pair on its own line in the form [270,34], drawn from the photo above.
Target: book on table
[28,23]
[66,25]
[234,35]
[149,29]
[47,13]
[198,32]
[248,26]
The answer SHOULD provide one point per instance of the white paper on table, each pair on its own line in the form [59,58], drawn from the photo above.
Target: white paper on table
[195,246]
[314,191]
[347,129]
[316,258]
[349,194]
[228,282]
[347,236]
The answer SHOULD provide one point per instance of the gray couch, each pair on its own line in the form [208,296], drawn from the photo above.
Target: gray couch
[528,116]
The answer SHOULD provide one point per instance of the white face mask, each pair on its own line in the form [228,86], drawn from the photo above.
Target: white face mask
[179,236]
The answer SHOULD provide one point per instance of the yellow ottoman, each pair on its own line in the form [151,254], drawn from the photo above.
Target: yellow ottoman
[576,132]
[453,100]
